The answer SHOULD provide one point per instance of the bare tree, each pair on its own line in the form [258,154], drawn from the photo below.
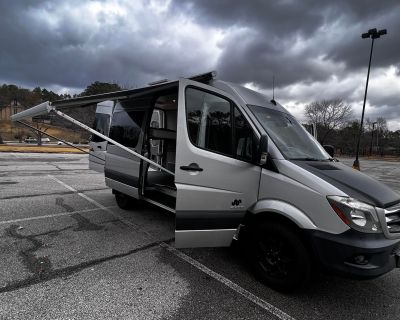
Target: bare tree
[328,115]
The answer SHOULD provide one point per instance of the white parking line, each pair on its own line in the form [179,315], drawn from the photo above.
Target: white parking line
[235,287]
[49,216]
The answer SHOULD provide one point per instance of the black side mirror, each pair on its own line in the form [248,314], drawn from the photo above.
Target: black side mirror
[330,149]
[262,152]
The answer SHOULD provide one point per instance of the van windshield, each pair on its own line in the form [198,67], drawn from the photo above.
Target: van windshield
[289,136]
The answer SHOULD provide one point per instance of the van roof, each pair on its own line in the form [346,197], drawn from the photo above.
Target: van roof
[247,95]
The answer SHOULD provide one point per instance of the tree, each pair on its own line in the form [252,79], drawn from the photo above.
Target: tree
[328,115]
[98,87]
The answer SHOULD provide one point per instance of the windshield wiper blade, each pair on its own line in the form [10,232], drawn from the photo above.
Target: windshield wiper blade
[308,159]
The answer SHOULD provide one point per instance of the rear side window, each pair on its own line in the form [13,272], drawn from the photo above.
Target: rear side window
[126,127]
[209,121]
[101,124]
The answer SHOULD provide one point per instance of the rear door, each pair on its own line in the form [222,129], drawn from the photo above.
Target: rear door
[215,174]
[122,169]
[97,145]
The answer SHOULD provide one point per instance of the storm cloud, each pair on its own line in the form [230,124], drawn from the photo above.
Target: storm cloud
[313,48]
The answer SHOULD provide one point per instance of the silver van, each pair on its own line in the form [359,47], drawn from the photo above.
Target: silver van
[234,166]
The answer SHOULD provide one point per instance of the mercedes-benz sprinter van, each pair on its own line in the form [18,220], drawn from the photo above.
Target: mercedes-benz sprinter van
[240,167]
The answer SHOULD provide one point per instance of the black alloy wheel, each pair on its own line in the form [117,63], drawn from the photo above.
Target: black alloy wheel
[280,257]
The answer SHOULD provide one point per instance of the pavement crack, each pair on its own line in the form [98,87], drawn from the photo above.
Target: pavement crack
[67,271]
[85,224]
[50,194]
[39,266]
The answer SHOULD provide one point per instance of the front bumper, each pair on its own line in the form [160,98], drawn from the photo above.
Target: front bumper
[355,254]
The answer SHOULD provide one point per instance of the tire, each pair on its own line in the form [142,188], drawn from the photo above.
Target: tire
[123,201]
[279,257]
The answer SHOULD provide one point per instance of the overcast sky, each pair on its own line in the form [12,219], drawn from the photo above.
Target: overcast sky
[314,48]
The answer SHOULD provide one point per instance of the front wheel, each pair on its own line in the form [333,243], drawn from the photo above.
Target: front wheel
[279,256]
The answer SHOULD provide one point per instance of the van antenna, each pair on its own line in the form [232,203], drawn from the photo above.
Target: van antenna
[273,90]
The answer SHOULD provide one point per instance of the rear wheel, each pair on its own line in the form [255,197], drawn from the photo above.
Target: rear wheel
[124,201]
[279,256]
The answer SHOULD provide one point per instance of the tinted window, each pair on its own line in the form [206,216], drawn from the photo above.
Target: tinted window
[209,121]
[244,138]
[102,125]
[126,127]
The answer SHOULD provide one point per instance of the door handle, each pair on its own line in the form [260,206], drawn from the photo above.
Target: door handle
[99,147]
[191,167]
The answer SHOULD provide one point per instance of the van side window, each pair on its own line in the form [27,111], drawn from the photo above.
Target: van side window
[244,138]
[102,125]
[126,127]
[209,121]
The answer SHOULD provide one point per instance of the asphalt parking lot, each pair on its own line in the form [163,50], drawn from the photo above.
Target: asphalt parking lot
[68,252]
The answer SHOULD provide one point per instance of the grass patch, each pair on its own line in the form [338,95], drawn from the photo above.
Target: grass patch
[41,149]
[9,131]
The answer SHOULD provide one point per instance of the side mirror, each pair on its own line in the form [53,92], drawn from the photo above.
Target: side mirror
[262,154]
[330,149]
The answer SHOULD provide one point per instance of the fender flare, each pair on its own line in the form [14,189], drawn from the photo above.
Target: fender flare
[284,209]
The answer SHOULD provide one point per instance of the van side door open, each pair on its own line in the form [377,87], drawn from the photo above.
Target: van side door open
[122,169]
[216,177]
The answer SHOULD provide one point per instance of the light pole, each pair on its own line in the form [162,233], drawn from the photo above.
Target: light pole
[373,34]
[372,137]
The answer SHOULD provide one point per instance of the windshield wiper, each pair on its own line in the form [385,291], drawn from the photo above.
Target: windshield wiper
[307,159]
[312,159]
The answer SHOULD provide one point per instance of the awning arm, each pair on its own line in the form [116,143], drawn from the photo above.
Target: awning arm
[80,124]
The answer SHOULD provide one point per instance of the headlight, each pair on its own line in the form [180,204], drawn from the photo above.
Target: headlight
[356,214]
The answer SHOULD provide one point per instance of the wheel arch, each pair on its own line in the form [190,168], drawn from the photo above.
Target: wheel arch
[279,210]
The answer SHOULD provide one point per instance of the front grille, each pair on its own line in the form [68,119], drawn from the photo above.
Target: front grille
[392,216]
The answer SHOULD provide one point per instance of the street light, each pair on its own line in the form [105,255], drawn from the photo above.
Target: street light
[372,137]
[373,34]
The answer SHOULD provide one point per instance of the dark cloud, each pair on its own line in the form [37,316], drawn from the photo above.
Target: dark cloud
[50,43]
[322,30]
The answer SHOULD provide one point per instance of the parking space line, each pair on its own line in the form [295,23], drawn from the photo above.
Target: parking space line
[220,278]
[50,216]
[235,287]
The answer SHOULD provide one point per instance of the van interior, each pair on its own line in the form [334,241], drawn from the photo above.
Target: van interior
[160,147]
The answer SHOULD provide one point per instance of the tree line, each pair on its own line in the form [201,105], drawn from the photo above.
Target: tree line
[29,98]
[336,126]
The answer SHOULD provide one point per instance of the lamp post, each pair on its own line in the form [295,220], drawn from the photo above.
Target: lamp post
[372,137]
[373,34]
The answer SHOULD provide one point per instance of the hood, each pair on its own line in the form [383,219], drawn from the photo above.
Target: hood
[354,183]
